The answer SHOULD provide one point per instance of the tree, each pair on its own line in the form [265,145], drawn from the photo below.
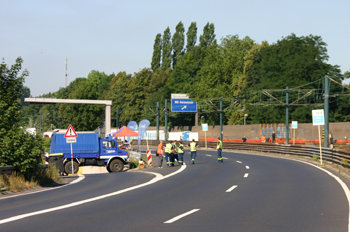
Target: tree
[17,148]
[191,37]
[167,48]
[178,42]
[157,52]
[86,117]
[208,37]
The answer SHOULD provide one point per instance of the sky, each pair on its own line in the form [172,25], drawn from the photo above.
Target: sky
[118,35]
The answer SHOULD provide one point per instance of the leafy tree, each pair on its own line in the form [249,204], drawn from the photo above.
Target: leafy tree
[137,92]
[191,37]
[17,148]
[167,48]
[116,93]
[178,42]
[157,52]
[208,37]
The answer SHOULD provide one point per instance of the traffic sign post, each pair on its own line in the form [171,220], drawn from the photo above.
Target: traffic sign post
[317,120]
[71,137]
[205,129]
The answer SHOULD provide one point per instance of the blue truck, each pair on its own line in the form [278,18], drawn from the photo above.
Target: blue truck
[89,150]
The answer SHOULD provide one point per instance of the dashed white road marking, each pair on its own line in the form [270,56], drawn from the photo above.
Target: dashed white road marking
[208,155]
[246,175]
[181,216]
[224,158]
[247,167]
[239,162]
[232,188]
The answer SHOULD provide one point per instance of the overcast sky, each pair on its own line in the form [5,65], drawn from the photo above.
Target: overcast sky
[114,36]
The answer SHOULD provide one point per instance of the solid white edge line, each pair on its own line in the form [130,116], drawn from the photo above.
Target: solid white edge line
[232,188]
[181,216]
[247,167]
[154,180]
[246,175]
[80,178]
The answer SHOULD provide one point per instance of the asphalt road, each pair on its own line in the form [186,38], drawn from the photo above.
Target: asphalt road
[245,193]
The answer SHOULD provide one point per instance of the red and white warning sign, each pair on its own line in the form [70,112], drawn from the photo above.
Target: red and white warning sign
[70,132]
[149,158]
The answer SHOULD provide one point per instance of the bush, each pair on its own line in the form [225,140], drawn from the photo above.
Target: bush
[134,163]
[315,158]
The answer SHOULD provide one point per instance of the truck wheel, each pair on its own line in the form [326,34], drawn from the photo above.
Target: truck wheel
[68,167]
[116,165]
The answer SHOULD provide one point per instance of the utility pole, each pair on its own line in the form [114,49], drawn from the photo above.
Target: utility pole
[221,132]
[157,121]
[66,74]
[326,111]
[166,120]
[287,115]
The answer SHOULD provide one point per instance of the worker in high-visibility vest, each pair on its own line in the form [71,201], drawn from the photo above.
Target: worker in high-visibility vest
[181,151]
[160,154]
[219,148]
[193,145]
[167,151]
[174,154]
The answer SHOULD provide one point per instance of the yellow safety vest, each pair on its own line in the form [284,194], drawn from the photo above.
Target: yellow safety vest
[181,149]
[193,146]
[168,148]
[219,146]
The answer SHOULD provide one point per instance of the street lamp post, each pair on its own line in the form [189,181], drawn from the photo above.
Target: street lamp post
[246,115]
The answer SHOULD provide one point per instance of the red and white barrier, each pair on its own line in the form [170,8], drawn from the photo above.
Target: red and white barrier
[149,158]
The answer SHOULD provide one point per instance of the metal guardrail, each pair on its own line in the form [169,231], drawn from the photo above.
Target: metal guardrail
[6,169]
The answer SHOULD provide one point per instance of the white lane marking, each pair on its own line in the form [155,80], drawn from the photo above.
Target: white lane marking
[80,178]
[342,184]
[239,162]
[181,216]
[246,175]
[208,155]
[154,180]
[232,188]
[224,158]
[247,167]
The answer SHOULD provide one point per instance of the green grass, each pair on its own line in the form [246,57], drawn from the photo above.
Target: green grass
[17,182]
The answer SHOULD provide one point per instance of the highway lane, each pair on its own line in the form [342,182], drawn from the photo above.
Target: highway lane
[276,195]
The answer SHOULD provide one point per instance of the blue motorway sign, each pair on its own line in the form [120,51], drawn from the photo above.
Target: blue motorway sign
[183,105]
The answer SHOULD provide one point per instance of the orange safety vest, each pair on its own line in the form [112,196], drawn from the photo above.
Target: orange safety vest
[160,150]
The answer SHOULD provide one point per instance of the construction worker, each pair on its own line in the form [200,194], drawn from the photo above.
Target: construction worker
[193,147]
[219,148]
[174,156]
[181,151]
[160,154]
[167,152]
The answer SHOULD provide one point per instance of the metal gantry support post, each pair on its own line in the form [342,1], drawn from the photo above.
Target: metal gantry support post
[157,121]
[287,115]
[221,132]
[166,120]
[326,111]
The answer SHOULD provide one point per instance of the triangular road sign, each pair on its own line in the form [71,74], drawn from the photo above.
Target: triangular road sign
[70,132]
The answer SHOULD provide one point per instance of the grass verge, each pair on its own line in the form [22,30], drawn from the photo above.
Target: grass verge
[17,182]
